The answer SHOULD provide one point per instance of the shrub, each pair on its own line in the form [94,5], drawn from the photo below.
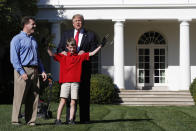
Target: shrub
[50,94]
[193,89]
[102,90]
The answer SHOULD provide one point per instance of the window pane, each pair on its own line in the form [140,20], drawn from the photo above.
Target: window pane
[141,58]
[141,41]
[147,59]
[147,80]
[160,38]
[162,51]
[141,65]
[162,58]
[156,58]
[151,34]
[141,80]
[156,65]
[162,72]
[156,79]
[141,73]
[156,51]
[147,66]
[162,65]
[147,72]
[162,41]
[156,72]
[156,34]
[162,79]
[141,51]
[147,51]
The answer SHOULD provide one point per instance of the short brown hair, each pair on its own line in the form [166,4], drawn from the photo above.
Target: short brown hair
[71,42]
[25,20]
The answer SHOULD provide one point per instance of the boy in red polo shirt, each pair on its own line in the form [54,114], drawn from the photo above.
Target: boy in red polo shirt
[70,72]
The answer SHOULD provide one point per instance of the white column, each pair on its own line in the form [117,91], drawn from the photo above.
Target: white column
[119,53]
[185,55]
[56,32]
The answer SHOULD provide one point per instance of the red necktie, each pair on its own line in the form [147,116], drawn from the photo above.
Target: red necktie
[77,37]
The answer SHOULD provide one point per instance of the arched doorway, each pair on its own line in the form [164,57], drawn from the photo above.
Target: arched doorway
[151,61]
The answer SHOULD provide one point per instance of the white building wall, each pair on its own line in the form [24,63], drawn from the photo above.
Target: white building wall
[108,2]
[133,30]
[169,30]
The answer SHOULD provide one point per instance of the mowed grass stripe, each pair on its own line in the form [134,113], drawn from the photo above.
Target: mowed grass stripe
[114,118]
[168,118]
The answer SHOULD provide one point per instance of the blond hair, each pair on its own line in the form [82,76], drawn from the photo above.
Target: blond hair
[78,15]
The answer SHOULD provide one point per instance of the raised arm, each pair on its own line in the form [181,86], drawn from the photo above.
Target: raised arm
[95,51]
[50,52]
[104,40]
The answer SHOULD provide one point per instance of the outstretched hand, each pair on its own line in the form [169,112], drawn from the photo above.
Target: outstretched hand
[49,52]
[44,76]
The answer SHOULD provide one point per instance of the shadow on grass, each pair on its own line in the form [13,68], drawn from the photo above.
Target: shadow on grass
[101,121]
[42,124]
[118,120]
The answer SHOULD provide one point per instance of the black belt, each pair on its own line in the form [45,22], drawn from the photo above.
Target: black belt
[31,66]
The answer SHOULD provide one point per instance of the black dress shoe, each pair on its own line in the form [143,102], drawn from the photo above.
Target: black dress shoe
[57,122]
[72,122]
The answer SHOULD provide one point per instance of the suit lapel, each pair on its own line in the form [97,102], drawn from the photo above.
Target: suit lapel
[83,39]
[72,33]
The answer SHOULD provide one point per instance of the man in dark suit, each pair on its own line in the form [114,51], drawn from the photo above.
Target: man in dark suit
[86,42]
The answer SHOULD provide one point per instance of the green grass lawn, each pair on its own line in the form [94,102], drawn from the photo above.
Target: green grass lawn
[114,118]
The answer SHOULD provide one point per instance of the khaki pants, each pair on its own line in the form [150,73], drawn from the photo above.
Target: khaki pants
[26,92]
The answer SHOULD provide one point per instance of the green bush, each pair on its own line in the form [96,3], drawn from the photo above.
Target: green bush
[50,94]
[102,90]
[193,89]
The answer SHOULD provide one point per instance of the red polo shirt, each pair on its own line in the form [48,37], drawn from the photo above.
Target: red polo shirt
[70,66]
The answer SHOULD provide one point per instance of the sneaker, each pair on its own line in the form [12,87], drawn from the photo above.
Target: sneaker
[57,122]
[16,123]
[72,122]
[31,124]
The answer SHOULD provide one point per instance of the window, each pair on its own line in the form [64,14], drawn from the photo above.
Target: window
[151,37]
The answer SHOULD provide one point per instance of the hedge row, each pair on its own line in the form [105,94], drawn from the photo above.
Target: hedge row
[193,89]
[102,90]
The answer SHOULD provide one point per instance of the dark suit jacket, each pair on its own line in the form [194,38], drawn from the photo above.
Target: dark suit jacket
[88,43]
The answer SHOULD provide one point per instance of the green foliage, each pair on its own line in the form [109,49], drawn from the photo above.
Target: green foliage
[11,13]
[50,93]
[43,35]
[102,90]
[44,38]
[51,45]
[193,89]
